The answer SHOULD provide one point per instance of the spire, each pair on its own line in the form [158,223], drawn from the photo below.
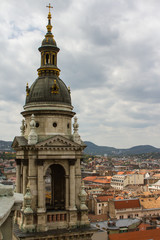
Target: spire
[49,26]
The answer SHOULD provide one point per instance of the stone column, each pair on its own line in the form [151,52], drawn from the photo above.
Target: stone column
[72,184]
[18,175]
[25,175]
[67,197]
[41,194]
[32,178]
[78,181]
[41,219]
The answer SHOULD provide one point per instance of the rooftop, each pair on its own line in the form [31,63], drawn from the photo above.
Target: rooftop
[127,203]
[7,200]
[153,234]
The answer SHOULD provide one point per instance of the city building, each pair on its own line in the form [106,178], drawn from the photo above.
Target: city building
[48,156]
[121,181]
[155,186]
[126,208]
[101,204]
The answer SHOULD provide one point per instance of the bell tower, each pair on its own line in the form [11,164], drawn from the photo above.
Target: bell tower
[48,156]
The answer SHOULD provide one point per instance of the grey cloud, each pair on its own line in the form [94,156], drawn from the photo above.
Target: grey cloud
[109,57]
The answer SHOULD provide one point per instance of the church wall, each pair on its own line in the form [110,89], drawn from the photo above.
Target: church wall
[64,126]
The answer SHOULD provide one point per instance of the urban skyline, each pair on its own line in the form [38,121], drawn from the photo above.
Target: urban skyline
[109,57]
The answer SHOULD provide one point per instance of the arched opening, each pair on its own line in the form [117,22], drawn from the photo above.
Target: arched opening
[53,59]
[47,58]
[55,187]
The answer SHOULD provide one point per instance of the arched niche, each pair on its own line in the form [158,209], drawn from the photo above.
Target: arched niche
[55,187]
[47,58]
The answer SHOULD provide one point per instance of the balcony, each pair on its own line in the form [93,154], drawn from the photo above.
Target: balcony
[57,219]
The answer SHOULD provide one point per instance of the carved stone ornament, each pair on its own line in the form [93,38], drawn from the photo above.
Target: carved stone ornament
[22,128]
[76,136]
[27,201]
[83,198]
[32,137]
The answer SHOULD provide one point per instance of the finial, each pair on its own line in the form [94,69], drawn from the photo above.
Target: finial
[49,7]
[27,201]
[22,128]
[27,90]
[69,90]
[83,197]
[49,26]
[32,137]
[76,136]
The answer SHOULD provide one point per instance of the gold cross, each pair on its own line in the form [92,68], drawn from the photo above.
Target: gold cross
[49,6]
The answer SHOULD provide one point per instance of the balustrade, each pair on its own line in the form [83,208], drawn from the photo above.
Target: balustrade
[56,217]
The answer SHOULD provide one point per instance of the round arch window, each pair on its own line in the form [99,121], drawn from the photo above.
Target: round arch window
[37,124]
[54,124]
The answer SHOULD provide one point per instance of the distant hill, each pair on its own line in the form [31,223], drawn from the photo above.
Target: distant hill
[94,149]
[5,146]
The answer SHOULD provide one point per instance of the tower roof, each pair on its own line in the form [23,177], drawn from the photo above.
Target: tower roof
[49,38]
[48,87]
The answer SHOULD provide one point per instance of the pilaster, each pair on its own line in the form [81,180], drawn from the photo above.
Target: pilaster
[67,197]
[32,178]
[72,184]
[18,175]
[25,175]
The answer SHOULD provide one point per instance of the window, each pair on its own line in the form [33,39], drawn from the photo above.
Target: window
[37,124]
[54,124]
[47,58]
[53,59]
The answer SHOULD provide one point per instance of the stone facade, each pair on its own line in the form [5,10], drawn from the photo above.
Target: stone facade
[134,211]
[9,203]
[121,181]
[48,157]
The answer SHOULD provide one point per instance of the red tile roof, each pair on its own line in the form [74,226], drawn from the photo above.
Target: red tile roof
[104,198]
[102,181]
[140,235]
[119,197]
[127,203]
[120,173]
[143,226]
[98,179]
[90,178]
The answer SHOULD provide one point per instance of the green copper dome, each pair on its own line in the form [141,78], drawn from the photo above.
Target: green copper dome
[48,89]
[49,41]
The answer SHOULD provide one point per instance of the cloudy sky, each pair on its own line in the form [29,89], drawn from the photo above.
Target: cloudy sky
[110,57]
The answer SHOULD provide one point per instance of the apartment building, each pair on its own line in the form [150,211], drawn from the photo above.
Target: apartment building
[127,208]
[155,186]
[121,181]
